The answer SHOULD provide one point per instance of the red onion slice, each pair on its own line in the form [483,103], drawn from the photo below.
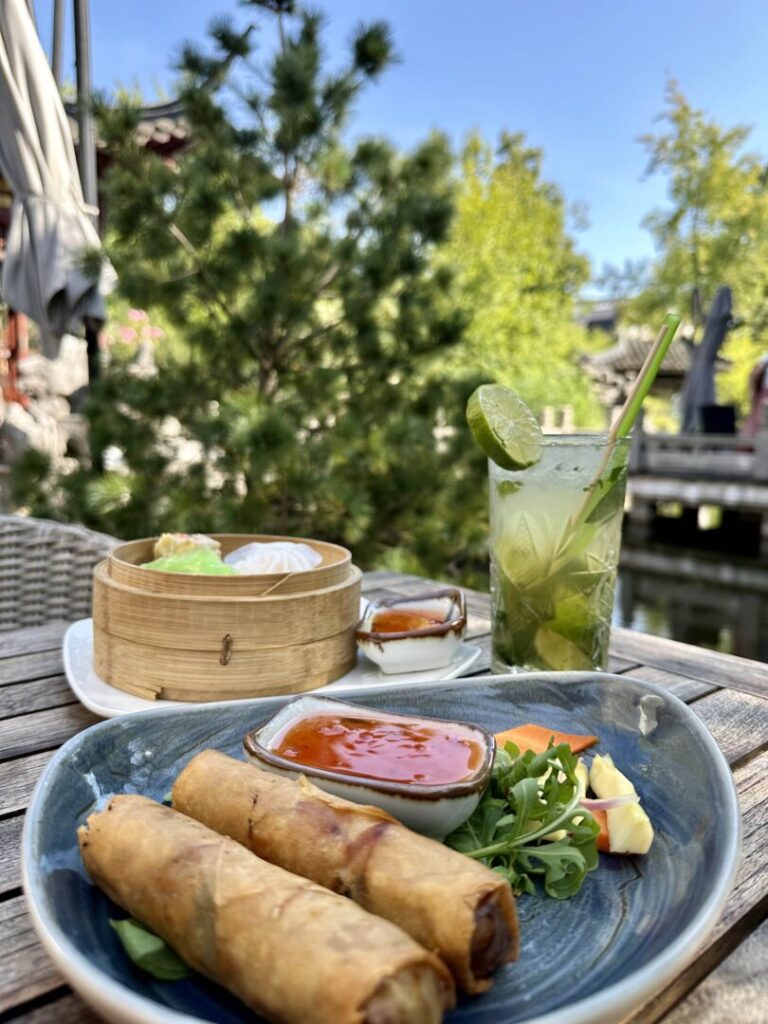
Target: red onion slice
[609,803]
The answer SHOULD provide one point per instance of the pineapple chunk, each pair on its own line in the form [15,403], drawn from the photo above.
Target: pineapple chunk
[583,776]
[629,827]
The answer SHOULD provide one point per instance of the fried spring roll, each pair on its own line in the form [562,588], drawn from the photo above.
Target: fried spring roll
[290,949]
[449,903]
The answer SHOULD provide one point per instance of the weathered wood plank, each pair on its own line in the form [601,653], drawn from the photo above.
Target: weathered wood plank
[747,903]
[42,730]
[619,665]
[695,662]
[32,640]
[379,578]
[10,853]
[69,1009]
[18,778]
[25,969]
[682,686]
[34,695]
[737,990]
[30,666]
[738,722]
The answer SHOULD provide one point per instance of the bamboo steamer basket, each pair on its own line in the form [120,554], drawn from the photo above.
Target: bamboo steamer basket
[178,636]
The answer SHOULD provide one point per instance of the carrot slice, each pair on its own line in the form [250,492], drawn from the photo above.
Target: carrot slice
[603,839]
[537,737]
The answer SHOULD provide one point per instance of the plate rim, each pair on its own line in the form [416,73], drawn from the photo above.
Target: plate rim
[162,704]
[606,1004]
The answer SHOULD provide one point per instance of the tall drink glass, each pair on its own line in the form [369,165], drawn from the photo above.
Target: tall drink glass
[554,544]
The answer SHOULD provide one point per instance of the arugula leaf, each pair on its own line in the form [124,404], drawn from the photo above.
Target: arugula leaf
[530,797]
[149,952]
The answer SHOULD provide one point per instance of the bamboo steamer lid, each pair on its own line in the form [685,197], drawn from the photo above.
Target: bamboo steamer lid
[204,637]
[125,563]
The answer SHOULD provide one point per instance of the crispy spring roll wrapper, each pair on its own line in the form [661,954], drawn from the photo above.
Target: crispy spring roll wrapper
[289,948]
[449,903]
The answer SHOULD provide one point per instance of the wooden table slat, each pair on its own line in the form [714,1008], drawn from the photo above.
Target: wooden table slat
[32,640]
[10,853]
[684,687]
[18,778]
[733,991]
[34,695]
[738,722]
[69,1009]
[697,662]
[30,666]
[26,971]
[42,730]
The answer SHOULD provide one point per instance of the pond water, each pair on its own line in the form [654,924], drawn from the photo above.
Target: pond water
[697,597]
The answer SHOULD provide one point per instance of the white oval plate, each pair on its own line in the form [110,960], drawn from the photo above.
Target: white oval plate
[105,700]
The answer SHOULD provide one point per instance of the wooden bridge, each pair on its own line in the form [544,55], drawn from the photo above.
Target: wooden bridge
[725,471]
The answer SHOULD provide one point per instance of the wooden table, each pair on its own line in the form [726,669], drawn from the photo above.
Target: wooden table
[728,981]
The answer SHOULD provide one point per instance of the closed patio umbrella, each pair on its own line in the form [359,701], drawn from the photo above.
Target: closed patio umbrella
[699,387]
[51,226]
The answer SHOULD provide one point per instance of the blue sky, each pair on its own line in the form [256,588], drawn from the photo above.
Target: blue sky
[582,78]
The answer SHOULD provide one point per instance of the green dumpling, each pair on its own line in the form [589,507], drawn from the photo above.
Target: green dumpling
[202,561]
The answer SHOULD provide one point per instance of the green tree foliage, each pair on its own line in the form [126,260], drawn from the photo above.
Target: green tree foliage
[520,273]
[307,398]
[714,232]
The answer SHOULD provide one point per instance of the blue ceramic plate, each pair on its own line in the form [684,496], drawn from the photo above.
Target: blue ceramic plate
[588,960]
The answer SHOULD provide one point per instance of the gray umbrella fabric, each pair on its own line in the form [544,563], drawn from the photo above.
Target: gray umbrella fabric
[50,224]
[699,387]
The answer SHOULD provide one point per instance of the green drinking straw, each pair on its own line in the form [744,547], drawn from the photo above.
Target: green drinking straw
[645,378]
[573,540]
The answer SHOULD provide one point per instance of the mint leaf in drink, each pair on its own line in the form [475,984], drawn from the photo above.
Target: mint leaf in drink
[530,797]
[504,427]
[149,952]
[505,487]
[610,496]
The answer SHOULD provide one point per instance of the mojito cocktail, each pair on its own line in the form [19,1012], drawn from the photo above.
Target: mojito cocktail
[555,532]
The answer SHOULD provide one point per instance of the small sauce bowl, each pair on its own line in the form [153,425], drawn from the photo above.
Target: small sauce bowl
[415,633]
[434,808]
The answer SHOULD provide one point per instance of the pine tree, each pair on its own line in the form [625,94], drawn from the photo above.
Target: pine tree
[298,271]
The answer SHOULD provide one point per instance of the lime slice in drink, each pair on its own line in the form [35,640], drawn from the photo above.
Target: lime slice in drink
[559,653]
[504,426]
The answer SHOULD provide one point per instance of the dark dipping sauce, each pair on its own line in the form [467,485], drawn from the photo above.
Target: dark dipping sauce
[426,754]
[399,620]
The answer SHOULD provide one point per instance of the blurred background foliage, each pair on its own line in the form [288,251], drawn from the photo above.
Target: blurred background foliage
[300,319]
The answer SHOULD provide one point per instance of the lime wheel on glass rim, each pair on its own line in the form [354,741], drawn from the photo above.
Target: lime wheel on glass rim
[504,427]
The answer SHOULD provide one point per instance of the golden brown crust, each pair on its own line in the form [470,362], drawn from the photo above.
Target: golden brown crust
[437,895]
[249,925]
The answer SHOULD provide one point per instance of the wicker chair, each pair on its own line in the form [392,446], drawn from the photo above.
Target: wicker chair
[46,571]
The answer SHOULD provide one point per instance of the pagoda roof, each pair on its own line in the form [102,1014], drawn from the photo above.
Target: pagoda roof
[162,127]
[627,356]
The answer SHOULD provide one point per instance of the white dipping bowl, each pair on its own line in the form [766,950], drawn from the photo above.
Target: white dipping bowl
[432,810]
[415,650]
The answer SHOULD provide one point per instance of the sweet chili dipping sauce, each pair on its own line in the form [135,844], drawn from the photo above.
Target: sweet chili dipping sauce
[427,753]
[402,620]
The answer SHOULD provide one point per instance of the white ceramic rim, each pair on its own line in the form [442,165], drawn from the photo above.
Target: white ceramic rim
[609,1004]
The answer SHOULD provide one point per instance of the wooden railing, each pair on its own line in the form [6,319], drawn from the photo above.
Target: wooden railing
[706,456]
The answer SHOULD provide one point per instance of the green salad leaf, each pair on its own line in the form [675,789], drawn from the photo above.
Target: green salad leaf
[149,952]
[530,797]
